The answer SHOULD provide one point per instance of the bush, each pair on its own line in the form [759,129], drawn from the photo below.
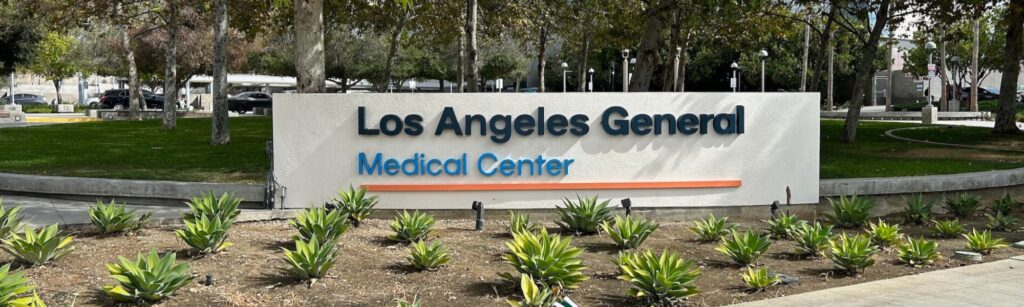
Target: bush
[745,248]
[311,260]
[850,212]
[659,279]
[412,227]
[982,242]
[883,234]
[852,254]
[10,220]
[918,252]
[547,258]
[13,288]
[320,223]
[711,229]
[759,280]
[781,226]
[519,223]
[583,216]
[812,240]
[428,257]
[947,229]
[415,302]
[534,296]
[148,278]
[629,232]
[206,235]
[1004,205]
[918,210]
[963,205]
[112,218]
[354,203]
[1000,222]
[224,208]
[37,248]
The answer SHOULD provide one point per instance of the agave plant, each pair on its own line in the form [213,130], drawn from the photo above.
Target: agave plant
[812,240]
[1001,222]
[10,220]
[320,223]
[918,210]
[38,247]
[982,242]
[744,248]
[518,222]
[780,227]
[883,234]
[658,279]
[311,260]
[534,296]
[583,216]
[428,257]
[113,218]
[629,232]
[947,229]
[852,254]
[14,288]
[963,205]
[548,259]
[759,279]
[355,204]
[711,229]
[415,302]
[411,227]
[850,212]
[1004,205]
[223,208]
[206,235]
[148,278]
[918,252]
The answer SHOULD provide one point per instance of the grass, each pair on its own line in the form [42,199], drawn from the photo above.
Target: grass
[141,150]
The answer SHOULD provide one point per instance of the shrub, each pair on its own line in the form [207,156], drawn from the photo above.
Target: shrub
[415,302]
[519,223]
[884,234]
[711,229]
[918,210]
[781,226]
[1004,205]
[428,257]
[629,232]
[547,258]
[852,254]
[659,279]
[947,229]
[744,248]
[320,223]
[311,260]
[812,240]
[1000,222]
[10,220]
[224,208]
[354,203]
[583,216]
[963,205]
[38,247]
[13,287]
[112,218]
[850,212]
[206,235]
[918,252]
[534,296]
[982,242]
[411,227]
[759,280]
[148,278]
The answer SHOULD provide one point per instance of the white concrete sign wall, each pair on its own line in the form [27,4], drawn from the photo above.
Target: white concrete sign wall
[444,151]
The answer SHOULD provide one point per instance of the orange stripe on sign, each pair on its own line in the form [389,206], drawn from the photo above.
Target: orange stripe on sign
[552,186]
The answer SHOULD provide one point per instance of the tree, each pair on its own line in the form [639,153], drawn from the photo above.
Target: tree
[1006,122]
[309,53]
[220,132]
[53,60]
[171,66]
[503,60]
[19,33]
[471,48]
[655,18]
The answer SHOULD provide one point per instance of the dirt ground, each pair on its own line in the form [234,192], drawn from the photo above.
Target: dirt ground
[372,271]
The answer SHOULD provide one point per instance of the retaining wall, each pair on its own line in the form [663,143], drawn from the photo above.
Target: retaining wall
[136,191]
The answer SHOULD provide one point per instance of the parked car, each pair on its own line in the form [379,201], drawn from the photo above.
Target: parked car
[529,90]
[246,101]
[118,100]
[24,99]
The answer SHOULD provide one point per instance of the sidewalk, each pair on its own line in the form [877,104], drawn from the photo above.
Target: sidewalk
[997,283]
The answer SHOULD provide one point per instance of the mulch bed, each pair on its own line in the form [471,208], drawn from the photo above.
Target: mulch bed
[372,271]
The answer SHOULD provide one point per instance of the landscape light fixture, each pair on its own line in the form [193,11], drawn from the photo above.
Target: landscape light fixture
[628,205]
[479,208]
[565,71]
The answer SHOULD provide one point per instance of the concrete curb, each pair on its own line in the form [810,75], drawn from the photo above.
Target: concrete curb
[892,134]
[142,191]
[246,216]
[922,184]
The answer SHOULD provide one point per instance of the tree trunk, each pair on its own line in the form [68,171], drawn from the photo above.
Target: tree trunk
[647,55]
[220,133]
[134,93]
[56,86]
[583,69]
[668,81]
[824,46]
[541,48]
[396,38]
[471,50]
[1006,112]
[171,67]
[863,73]
[943,69]
[462,62]
[807,51]
[309,46]
[974,67]
[888,79]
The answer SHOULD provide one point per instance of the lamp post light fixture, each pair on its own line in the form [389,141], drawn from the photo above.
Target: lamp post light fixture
[930,46]
[625,70]
[565,71]
[590,85]
[734,83]
[764,56]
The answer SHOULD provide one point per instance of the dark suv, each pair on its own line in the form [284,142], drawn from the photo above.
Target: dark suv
[246,101]
[118,100]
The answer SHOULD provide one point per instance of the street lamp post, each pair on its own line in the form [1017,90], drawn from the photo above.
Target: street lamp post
[930,46]
[565,71]
[956,84]
[764,56]
[590,85]
[735,82]
[625,70]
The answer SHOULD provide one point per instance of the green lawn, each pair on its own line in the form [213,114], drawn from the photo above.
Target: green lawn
[141,150]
